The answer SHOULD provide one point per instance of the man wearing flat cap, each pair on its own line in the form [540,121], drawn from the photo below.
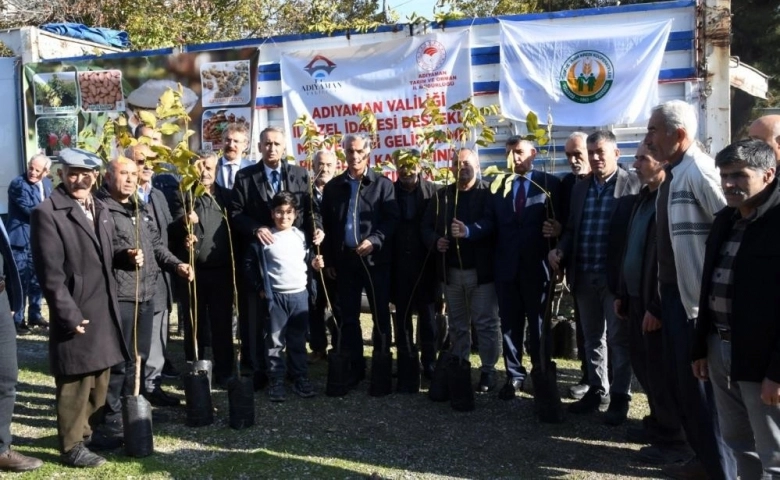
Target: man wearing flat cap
[72,246]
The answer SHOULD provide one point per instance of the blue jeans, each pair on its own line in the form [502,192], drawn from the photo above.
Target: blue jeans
[288,321]
[694,398]
[8,372]
[31,289]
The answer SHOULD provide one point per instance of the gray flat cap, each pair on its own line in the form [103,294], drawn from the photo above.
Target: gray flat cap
[78,158]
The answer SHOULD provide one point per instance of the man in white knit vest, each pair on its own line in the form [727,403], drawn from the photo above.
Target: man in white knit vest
[685,207]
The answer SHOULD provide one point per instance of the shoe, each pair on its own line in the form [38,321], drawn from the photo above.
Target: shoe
[487,382]
[316,357]
[13,461]
[277,392]
[169,370]
[22,329]
[663,455]
[690,470]
[648,436]
[510,389]
[40,322]
[159,398]
[578,390]
[100,441]
[618,409]
[303,387]
[81,456]
[592,401]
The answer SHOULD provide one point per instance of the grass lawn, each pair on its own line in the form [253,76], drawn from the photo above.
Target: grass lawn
[357,436]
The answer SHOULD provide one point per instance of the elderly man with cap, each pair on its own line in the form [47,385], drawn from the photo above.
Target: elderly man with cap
[72,237]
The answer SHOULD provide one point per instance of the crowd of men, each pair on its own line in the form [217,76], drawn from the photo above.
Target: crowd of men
[671,267]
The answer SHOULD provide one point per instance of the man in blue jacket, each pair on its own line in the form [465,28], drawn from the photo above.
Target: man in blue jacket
[25,193]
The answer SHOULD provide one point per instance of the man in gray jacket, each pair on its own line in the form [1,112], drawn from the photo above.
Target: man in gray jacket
[134,229]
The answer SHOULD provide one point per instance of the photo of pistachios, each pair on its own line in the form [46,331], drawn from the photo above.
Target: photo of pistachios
[225,83]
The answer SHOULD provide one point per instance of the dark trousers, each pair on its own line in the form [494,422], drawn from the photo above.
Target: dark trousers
[353,275]
[647,360]
[122,381]
[9,371]
[214,288]
[415,294]
[288,321]
[694,398]
[79,400]
[31,289]
[318,324]
[519,300]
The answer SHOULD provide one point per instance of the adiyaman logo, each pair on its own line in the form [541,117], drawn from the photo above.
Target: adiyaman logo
[586,76]
[320,69]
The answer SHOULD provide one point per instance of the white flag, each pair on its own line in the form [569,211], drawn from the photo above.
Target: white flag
[590,74]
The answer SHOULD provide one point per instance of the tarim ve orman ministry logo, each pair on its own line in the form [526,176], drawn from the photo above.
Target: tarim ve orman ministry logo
[431,55]
[586,76]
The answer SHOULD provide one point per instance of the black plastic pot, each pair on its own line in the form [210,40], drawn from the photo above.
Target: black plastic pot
[337,384]
[205,366]
[459,382]
[408,371]
[198,398]
[547,398]
[439,390]
[137,421]
[381,369]
[241,402]
[564,339]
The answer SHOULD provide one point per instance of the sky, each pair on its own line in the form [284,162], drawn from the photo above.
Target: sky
[423,8]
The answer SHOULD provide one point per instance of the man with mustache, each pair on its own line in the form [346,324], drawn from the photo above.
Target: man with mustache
[26,192]
[72,241]
[767,128]
[210,241]
[324,166]
[465,266]
[413,287]
[687,202]
[252,216]
[235,140]
[737,339]
[583,247]
[638,303]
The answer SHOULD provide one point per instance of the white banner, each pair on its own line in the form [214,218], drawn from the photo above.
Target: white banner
[392,78]
[587,74]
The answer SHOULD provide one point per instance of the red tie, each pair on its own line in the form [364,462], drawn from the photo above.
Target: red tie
[520,197]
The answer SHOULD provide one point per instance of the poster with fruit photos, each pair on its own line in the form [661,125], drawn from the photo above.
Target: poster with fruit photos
[75,98]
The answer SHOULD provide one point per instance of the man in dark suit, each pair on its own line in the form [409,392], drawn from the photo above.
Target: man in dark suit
[10,301]
[25,193]
[583,247]
[414,278]
[210,240]
[359,213]
[255,187]
[522,274]
[72,246]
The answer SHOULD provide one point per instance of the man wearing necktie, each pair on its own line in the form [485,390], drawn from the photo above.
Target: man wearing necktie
[251,213]
[235,139]
[522,274]
[24,194]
